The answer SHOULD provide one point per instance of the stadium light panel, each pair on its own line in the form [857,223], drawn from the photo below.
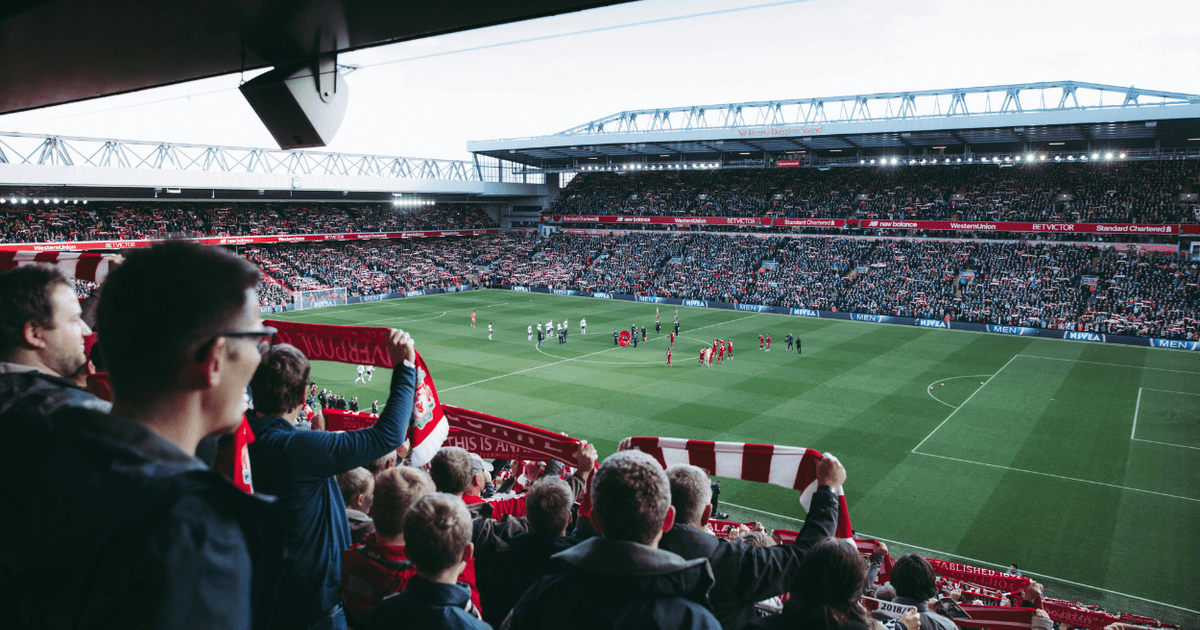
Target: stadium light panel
[24,200]
[3,200]
[13,200]
[1122,156]
[1095,156]
[1070,158]
[45,201]
[1057,158]
[893,160]
[959,160]
[85,202]
[56,198]
[1019,159]
[35,202]
[872,160]
[1043,158]
[1108,156]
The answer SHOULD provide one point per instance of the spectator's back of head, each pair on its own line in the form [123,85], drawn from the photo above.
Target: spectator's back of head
[165,307]
[548,507]
[630,498]
[396,490]
[280,381]
[828,586]
[914,578]
[451,469]
[357,486]
[40,322]
[437,529]
[691,492]
[383,463]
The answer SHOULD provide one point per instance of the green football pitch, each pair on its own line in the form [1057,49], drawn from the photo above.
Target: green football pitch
[1078,461]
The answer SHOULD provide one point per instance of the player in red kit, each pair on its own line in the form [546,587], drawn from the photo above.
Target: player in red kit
[730,348]
[760,342]
[768,342]
[721,352]
[668,357]
[671,337]
[472,319]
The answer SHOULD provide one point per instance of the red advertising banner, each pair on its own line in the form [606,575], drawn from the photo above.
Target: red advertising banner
[357,345]
[787,164]
[887,224]
[240,240]
[985,226]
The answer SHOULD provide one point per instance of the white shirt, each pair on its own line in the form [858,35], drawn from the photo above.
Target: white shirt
[361,369]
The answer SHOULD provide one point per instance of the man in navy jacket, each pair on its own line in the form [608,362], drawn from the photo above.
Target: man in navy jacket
[301,468]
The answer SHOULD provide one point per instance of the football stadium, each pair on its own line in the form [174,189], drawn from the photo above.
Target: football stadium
[917,358]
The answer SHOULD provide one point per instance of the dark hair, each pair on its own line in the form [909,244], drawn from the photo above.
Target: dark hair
[436,530]
[451,469]
[25,297]
[913,577]
[630,497]
[354,482]
[828,586]
[162,305]
[280,381]
[548,506]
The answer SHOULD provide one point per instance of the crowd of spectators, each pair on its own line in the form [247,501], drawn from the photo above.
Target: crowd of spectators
[107,221]
[153,519]
[1126,192]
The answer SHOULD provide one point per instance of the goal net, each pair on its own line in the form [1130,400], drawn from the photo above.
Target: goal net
[319,298]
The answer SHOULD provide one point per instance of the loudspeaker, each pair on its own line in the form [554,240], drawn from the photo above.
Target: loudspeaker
[300,106]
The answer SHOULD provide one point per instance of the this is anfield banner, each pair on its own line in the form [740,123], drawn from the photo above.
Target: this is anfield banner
[499,438]
[487,436]
[995,617]
[975,575]
[240,240]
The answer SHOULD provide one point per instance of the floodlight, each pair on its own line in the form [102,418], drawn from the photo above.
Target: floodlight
[1043,158]
[3,200]
[1095,156]
[1108,156]
[1070,158]
[1057,159]
[1019,159]
[85,202]
[893,160]
[924,161]
[1122,156]
[872,160]
[35,202]
[959,160]
[24,200]
[45,201]
[56,198]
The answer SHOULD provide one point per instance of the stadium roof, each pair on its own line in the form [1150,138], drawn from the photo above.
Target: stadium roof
[1064,116]
[62,51]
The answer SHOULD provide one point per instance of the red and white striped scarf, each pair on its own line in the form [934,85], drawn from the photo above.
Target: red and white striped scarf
[786,466]
[81,266]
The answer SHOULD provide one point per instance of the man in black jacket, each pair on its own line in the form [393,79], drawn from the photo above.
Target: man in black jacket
[137,532]
[41,346]
[621,579]
[745,574]
[527,558]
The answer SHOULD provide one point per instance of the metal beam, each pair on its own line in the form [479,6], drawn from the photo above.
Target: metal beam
[959,102]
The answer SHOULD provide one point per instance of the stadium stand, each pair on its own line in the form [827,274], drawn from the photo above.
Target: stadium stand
[1137,192]
[110,221]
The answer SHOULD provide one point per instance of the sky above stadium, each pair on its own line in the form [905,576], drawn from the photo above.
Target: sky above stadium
[427,98]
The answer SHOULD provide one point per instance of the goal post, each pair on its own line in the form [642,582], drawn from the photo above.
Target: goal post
[319,298]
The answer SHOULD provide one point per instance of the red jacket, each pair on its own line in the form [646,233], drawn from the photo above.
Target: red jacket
[372,571]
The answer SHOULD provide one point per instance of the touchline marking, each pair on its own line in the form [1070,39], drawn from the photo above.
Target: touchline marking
[538,367]
[929,389]
[964,403]
[1034,472]
[1124,365]
[975,561]
[1136,409]
[366,306]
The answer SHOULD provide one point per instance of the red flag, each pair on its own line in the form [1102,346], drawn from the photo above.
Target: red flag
[624,338]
